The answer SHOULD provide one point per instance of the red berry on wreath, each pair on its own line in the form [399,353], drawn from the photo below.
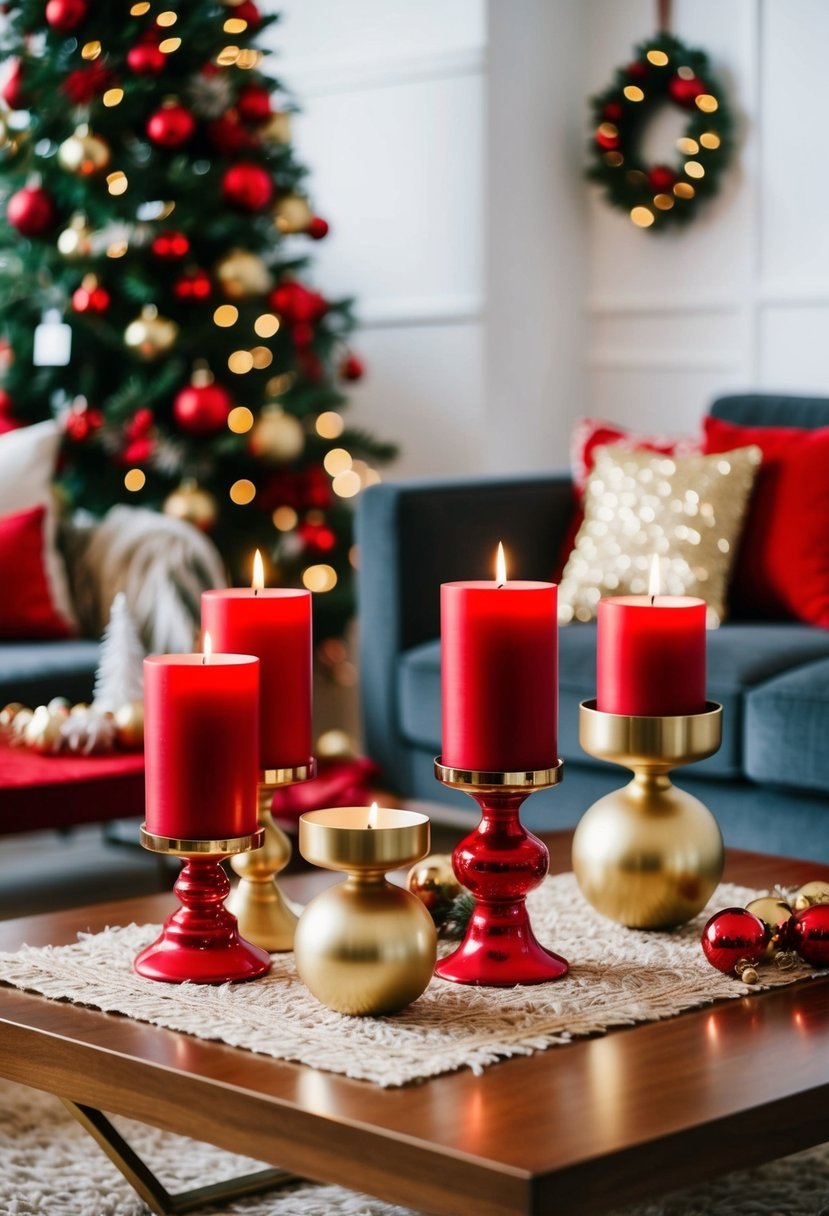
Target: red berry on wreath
[612,112]
[352,368]
[146,59]
[607,137]
[138,451]
[661,178]
[685,92]
[637,70]
[317,228]
[81,421]
[66,15]
[140,423]
[171,126]
[202,408]
[90,297]
[254,105]
[732,937]
[808,934]
[13,92]
[247,186]
[296,303]
[193,285]
[170,245]
[31,211]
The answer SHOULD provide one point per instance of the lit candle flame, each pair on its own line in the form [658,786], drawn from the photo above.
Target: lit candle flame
[258,580]
[653,580]
[207,647]
[372,815]
[500,566]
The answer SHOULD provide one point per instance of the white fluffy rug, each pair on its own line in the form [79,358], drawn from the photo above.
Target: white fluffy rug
[49,1166]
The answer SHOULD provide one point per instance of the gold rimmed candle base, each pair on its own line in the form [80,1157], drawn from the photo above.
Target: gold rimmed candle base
[265,916]
[649,855]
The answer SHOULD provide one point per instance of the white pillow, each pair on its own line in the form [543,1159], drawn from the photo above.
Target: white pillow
[27,464]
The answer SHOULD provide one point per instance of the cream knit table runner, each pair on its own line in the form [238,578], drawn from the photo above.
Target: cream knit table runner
[618,977]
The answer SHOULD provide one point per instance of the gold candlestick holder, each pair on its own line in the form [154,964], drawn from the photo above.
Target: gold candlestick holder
[265,916]
[649,855]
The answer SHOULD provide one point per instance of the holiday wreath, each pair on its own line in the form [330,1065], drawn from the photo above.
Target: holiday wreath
[656,196]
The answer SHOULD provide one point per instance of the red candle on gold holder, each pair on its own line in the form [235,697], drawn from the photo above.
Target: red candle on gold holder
[275,625]
[650,655]
[201,745]
[499,663]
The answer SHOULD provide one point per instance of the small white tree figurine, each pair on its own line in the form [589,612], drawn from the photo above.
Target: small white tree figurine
[120,675]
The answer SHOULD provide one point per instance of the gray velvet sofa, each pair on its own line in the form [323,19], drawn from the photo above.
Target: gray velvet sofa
[769,783]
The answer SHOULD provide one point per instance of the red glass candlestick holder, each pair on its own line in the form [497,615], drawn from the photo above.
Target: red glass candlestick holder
[500,862]
[200,941]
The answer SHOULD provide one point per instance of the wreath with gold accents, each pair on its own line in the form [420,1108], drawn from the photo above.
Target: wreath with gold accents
[664,71]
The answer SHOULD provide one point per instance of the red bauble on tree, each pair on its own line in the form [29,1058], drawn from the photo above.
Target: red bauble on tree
[81,421]
[318,228]
[352,368]
[170,245]
[613,112]
[171,126]
[685,91]
[637,70]
[228,135]
[66,15]
[607,137]
[90,297]
[202,407]
[146,59]
[247,186]
[254,105]
[31,211]
[13,92]
[84,84]
[193,285]
[247,11]
[296,303]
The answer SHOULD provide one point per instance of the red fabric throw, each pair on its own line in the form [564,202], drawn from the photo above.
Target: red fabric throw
[782,568]
[26,606]
[338,783]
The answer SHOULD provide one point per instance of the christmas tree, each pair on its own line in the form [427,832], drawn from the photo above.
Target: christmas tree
[154,286]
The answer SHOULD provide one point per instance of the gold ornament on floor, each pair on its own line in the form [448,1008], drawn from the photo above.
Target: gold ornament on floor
[84,153]
[277,437]
[242,275]
[193,504]
[292,214]
[150,335]
[76,240]
[648,855]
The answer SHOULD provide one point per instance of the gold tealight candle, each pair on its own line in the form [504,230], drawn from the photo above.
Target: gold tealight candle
[365,946]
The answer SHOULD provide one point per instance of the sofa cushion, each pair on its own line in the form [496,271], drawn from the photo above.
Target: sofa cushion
[741,656]
[787,729]
[34,672]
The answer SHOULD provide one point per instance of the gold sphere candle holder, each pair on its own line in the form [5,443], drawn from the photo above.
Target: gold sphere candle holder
[500,863]
[265,916]
[365,946]
[200,942]
[649,855]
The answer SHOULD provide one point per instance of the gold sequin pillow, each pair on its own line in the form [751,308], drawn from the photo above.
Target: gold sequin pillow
[687,509]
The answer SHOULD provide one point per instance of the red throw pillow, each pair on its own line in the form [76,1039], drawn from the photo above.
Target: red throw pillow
[26,606]
[782,568]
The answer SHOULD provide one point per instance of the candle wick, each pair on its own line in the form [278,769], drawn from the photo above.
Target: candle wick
[500,586]
[203,660]
[255,591]
[370,826]
[653,597]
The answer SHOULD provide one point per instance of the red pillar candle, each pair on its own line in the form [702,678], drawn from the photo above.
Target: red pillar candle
[201,745]
[499,668]
[275,625]
[650,659]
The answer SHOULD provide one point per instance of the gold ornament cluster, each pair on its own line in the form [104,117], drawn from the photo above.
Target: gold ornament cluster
[59,728]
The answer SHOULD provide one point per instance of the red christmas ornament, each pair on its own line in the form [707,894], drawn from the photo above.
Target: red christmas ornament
[734,936]
[612,112]
[13,92]
[661,178]
[352,368]
[202,409]
[193,285]
[247,11]
[81,422]
[84,84]
[808,934]
[317,536]
[140,424]
[607,139]
[317,228]
[171,126]
[146,59]
[302,334]
[315,488]
[685,92]
[138,451]
[31,211]
[228,135]
[170,245]
[637,70]
[247,186]
[254,104]
[297,303]
[66,15]
[91,297]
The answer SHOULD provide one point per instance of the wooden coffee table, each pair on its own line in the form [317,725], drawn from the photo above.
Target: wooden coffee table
[575,1129]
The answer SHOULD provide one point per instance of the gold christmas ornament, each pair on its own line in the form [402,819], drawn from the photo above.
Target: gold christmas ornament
[243,274]
[815,892]
[774,913]
[193,504]
[84,153]
[333,744]
[76,240]
[42,731]
[150,335]
[292,213]
[434,883]
[8,714]
[278,128]
[277,437]
[129,726]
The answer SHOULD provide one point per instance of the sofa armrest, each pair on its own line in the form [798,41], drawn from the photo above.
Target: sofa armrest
[412,537]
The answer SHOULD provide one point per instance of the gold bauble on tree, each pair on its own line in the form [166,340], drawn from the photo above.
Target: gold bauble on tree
[278,128]
[84,153]
[76,240]
[193,504]
[292,213]
[150,335]
[243,274]
[277,437]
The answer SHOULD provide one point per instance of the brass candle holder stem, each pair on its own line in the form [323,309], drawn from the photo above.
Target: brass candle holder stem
[265,916]
[649,855]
